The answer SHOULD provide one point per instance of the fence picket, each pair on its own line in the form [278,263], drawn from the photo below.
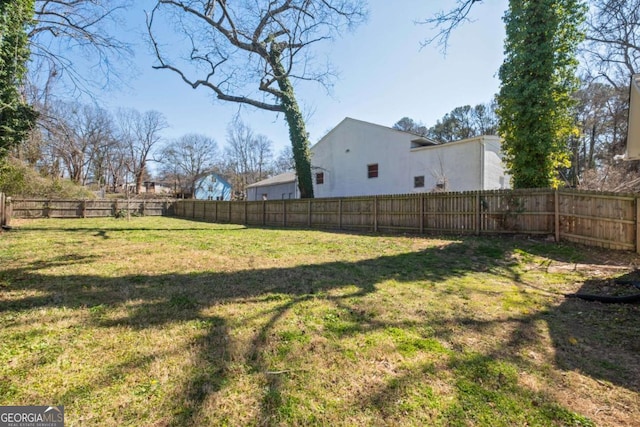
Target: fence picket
[602,219]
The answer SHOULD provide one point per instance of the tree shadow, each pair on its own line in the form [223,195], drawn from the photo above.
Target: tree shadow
[166,299]
[594,339]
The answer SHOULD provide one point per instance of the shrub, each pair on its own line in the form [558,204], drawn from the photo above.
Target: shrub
[19,180]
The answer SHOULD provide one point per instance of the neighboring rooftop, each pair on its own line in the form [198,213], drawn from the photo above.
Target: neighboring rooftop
[283,178]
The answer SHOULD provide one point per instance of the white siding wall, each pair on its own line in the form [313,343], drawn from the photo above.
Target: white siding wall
[286,190]
[344,153]
[456,163]
[495,176]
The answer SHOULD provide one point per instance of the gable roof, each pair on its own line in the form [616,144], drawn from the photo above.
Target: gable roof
[283,178]
[413,137]
[218,177]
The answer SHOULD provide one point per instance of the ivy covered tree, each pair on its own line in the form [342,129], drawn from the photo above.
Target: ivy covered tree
[537,82]
[16,116]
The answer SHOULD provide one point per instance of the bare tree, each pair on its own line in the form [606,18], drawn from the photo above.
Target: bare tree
[78,135]
[116,166]
[613,40]
[67,30]
[284,161]
[188,158]
[247,156]
[602,114]
[251,52]
[140,132]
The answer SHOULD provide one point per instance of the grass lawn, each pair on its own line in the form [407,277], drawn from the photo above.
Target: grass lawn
[166,322]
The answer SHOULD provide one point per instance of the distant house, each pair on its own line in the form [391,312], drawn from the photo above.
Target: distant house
[155,188]
[283,186]
[358,158]
[212,187]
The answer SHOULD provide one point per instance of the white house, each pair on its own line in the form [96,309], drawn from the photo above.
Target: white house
[283,186]
[358,158]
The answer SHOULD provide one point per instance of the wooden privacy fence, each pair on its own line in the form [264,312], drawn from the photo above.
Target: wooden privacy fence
[41,208]
[608,220]
[5,210]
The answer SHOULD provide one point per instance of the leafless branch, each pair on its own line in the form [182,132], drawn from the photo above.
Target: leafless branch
[65,28]
[612,48]
[445,22]
[252,35]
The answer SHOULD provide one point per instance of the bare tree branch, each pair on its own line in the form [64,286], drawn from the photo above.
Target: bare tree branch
[290,25]
[612,49]
[64,29]
[445,22]
[253,50]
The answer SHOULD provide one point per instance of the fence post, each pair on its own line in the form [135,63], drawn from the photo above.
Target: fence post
[46,209]
[284,213]
[84,208]
[556,215]
[246,212]
[421,200]
[3,218]
[8,210]
[375,214]
[478,210]
[637,219]
[309,213]
[340,214]
[264,213]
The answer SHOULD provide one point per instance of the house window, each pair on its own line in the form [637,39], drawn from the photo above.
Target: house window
[320,178]
[418,181]
[372,170]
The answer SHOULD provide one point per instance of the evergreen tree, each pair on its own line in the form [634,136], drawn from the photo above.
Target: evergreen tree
[16,116]
[537,81]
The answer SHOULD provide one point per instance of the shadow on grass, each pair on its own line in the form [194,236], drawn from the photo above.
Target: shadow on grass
[579,337]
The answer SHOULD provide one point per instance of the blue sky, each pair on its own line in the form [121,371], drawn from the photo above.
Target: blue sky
[383,75]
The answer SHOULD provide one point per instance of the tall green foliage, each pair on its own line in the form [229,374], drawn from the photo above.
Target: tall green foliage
[537,80]
[16,117]
[297,129]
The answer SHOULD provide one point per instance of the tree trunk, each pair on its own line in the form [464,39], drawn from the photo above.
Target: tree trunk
[592,148]
[139,177]
[297,129]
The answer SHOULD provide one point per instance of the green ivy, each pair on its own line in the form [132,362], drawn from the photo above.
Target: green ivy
[297,130]
[16,116]
[537,81]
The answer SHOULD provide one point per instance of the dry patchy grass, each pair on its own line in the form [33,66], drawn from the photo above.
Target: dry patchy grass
[163,322]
